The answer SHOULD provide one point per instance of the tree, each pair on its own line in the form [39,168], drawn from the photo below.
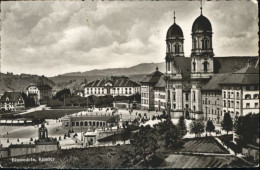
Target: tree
[28,101]
[169,134]
[247,128]
[145,142]
[182,126]
[197,127]
[125,134]
[227,123]
[210,127]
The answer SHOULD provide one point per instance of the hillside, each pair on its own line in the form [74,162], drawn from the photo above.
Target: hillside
[142,68]
[75,80]
[18,83]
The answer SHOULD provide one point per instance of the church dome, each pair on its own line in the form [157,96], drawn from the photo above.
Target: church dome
[201,24]
[174,31]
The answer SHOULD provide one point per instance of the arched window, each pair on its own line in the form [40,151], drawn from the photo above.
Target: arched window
[194,66]
[248,96]
[174,96]
[194,43]
[205,43]
[86,123]
[194,108]
[225,103]
[224,94]
[177,48]
[205,66]
[194,96]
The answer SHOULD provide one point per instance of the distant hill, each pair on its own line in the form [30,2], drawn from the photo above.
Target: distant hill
[142,68]
[18,83]
[76,80]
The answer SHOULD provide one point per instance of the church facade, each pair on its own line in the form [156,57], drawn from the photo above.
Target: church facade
[197,86]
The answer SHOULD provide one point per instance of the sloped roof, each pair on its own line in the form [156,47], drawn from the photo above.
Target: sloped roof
[161,83]
[232,64]
[244,76]
[213,83]
[116,82]
[184,64]
[221,64]
[12,96]
[153,77]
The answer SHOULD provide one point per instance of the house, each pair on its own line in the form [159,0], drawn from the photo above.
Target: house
[115,86]
[41,93]
[12,101]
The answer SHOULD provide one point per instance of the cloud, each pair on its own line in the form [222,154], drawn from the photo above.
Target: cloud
[56,37]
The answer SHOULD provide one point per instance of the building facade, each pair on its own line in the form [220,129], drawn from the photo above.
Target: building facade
[197,86]
[115,86]
[41,93]
[12,101]
[90,120]
[153,91]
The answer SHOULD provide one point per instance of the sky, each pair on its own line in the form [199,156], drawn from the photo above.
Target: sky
[56,37]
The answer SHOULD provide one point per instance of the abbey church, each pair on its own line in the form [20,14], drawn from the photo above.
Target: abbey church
[201,86]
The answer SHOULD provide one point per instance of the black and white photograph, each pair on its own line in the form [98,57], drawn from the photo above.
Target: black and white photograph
[129,84]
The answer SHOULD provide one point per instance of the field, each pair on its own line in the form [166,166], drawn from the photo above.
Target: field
[204,161]
[51,114]
[204,145]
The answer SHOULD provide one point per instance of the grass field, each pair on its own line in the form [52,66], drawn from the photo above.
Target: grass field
[205,145]
[51,114]
[208,161]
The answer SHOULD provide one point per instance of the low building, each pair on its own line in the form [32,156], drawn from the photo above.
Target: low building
[90,138]
[115,86]
[12,101]
[41,93]
[90,120]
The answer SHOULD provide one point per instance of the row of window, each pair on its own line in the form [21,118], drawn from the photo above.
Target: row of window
[89,123]
[212,111]
[256,105]
[144,101]
[159,103]
[206,101]
[144,95]
[205,43]
[247,96]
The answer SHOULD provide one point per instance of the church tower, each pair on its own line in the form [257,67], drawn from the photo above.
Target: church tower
[201,61]
[173,78]
[202,49]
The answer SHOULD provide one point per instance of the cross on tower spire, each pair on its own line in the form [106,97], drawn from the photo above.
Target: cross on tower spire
[174,16]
